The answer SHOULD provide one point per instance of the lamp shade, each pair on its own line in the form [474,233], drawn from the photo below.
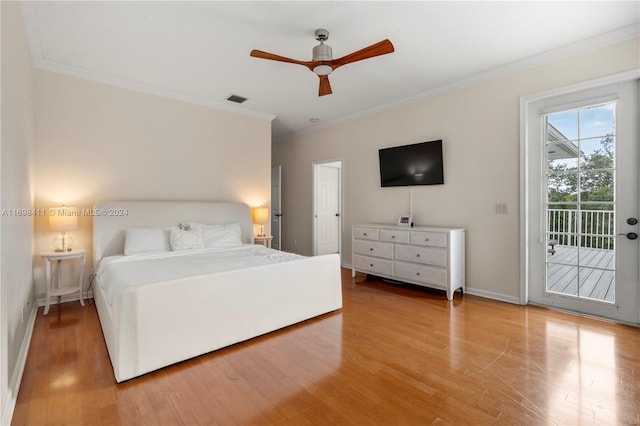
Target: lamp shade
[260,215]
[63,219]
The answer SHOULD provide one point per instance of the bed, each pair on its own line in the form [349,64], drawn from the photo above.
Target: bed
[170,318]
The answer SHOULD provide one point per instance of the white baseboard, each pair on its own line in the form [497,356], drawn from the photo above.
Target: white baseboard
[491,295]
[9,403]
[480,293]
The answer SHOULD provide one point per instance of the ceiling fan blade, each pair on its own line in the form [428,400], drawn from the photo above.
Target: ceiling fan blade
[381,48]
[325,86]
[266,55]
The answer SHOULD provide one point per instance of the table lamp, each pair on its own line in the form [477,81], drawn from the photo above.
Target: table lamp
[63,219]
[260,217]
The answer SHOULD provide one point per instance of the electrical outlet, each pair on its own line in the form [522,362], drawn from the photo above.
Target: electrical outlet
[295,243]
[502,208]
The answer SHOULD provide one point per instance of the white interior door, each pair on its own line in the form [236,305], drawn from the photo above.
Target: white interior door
[276,206]
[582,254]
[327,208]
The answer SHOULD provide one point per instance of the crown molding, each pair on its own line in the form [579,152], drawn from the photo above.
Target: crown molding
[601,41]
[35,45]
[137,86]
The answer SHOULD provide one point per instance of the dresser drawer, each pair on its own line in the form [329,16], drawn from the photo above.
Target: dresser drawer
[374,248]
[425,238]
[365,233]
[373,265]
[420,273]
[434,256]
[394,236]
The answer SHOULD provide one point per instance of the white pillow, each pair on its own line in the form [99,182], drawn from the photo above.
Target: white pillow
[146,240]
[219,236]
[181,239]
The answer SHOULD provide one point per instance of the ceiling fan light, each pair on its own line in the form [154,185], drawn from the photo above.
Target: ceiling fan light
[322,69]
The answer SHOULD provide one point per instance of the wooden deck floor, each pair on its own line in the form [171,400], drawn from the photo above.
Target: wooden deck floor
[596,272]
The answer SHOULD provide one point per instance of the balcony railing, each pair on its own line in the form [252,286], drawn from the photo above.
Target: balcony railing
[586,228]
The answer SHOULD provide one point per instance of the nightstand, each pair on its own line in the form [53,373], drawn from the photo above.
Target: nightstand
[265,241]
[52,273]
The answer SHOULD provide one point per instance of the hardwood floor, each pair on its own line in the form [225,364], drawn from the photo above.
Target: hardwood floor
[393,355]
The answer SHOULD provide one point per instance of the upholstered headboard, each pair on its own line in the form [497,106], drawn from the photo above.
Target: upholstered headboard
[113,218]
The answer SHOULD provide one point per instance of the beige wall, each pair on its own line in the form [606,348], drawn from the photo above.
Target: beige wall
[16,282]
[480,129]
[96,142]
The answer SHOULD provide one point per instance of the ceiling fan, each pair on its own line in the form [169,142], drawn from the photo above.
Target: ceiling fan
[323,63]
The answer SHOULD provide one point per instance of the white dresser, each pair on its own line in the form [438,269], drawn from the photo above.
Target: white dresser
[426,256]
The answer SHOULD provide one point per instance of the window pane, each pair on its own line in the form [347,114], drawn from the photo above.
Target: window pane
[597,226]
[597,153]
[562,187]
[562,279]
[562,156]
[562,225]
[562,126]
[597,284]
[596,186]
[597,121]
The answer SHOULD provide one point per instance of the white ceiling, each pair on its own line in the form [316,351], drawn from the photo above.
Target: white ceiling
[199,51]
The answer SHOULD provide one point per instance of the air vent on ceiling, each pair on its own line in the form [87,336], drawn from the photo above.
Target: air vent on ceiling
[237,99]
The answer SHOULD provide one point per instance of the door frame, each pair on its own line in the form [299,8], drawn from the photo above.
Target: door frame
[278,220]
[315,166]
[526,147]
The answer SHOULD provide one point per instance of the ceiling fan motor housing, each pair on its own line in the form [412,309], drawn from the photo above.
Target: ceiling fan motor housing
[322,56]
[322,52]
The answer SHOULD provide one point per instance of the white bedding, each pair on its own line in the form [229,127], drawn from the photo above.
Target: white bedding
[115,273]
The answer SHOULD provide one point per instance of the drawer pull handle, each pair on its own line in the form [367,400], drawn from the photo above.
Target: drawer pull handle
[418,255]
[393,236]
[418,273]
[365,234]
[371,265]
[371,249]
[426,239]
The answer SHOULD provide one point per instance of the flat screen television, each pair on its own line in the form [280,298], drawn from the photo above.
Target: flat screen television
[416,164]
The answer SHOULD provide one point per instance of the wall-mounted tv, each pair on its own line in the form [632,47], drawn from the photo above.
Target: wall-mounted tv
[416,164]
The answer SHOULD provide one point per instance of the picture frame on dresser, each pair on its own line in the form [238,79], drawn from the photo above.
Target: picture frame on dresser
[405,220]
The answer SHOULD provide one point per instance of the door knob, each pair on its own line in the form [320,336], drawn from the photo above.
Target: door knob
[337,214]
[278,215]
[630,235]
[632,221]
